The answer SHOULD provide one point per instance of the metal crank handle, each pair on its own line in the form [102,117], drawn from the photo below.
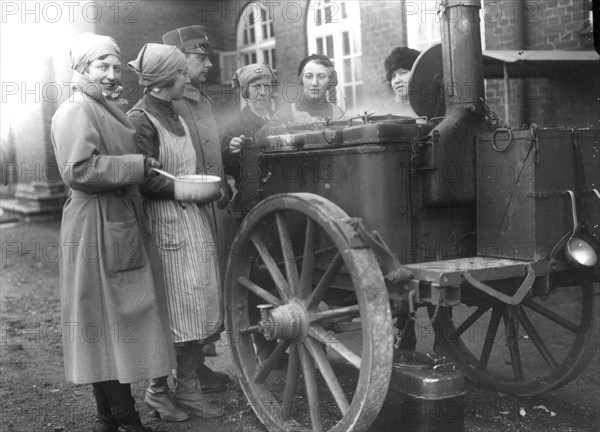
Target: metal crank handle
[515,299]
[597,192]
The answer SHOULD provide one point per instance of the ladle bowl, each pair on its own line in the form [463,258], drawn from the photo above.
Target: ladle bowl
[579,251]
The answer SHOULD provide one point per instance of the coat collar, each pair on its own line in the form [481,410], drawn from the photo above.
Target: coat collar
[195,94]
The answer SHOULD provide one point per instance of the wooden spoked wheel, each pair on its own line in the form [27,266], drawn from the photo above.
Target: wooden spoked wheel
[301,281]
[526,349]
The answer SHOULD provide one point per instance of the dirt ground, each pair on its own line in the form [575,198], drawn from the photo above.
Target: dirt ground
[35,396]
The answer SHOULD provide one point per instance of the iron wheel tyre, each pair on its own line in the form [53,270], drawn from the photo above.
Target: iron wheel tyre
[527,349]
[279,261]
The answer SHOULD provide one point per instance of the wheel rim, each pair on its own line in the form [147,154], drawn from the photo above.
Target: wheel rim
[299,244]
[527,349]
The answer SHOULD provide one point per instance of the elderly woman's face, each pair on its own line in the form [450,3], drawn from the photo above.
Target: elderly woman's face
[315,78]
[400,82]
[106,72]
[259,93]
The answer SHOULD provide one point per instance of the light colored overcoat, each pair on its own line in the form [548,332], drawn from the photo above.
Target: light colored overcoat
[113,306]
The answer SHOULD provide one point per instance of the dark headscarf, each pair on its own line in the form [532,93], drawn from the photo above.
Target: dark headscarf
[400,58]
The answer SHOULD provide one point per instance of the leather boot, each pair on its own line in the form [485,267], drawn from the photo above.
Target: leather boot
[104,422]
[210,350]
[187,393]
[158,398]
[134,424]
[122,407]
[210,381]
[137,428]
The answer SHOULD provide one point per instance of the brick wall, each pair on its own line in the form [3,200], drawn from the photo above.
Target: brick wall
[382,30]
[551,24]
[292,42]
[548,25]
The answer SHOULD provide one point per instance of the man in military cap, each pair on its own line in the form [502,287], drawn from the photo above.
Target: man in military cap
[196,110]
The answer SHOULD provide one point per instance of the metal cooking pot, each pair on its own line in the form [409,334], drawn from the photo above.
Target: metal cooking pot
[201,188]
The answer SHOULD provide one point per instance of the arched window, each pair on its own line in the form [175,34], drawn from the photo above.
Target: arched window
[255,36]
[333,29]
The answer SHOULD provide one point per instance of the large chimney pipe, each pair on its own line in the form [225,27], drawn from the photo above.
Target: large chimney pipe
[453,140]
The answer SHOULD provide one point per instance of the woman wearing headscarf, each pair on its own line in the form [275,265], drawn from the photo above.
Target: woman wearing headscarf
[316,77]
[113,305]
[181,229]
[398,73]
[256,83]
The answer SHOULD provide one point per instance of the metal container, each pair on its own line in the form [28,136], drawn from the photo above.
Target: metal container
[200,188]
[369,172]
[523,208]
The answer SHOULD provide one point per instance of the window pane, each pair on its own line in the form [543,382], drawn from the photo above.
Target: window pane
[265,31]
[252,34]
[246,36]
[273,59]
[357,44]
[344,12]
[319,45]
[346,43]
[327,15]
[266,56]
[246,59]
[253,57]
[348,70]
[329,41]
[271,28]
[318,17]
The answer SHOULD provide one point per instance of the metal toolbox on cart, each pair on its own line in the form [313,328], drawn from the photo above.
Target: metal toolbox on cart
[523,207]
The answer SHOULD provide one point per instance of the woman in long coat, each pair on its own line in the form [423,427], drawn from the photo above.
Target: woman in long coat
[113,309]
[181,229]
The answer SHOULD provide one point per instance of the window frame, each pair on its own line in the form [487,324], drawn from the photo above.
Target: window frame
[324,37]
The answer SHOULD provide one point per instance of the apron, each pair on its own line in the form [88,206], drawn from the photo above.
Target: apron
[185,242]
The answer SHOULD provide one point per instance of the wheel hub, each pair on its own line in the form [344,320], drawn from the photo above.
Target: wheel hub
[289,322]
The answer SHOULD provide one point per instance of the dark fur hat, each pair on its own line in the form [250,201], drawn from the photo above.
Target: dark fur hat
[400,58]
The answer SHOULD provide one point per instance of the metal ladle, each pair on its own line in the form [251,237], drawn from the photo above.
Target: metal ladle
[166,174]
[578,251]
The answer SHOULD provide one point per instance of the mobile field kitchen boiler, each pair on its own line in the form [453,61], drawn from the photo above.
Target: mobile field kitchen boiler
[352,226]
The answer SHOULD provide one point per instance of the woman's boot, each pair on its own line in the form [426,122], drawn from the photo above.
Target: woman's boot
[210,381]
[122,407]
[187,393]
[158,398]
[104,422]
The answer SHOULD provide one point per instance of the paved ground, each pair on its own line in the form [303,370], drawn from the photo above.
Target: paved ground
[35,397]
